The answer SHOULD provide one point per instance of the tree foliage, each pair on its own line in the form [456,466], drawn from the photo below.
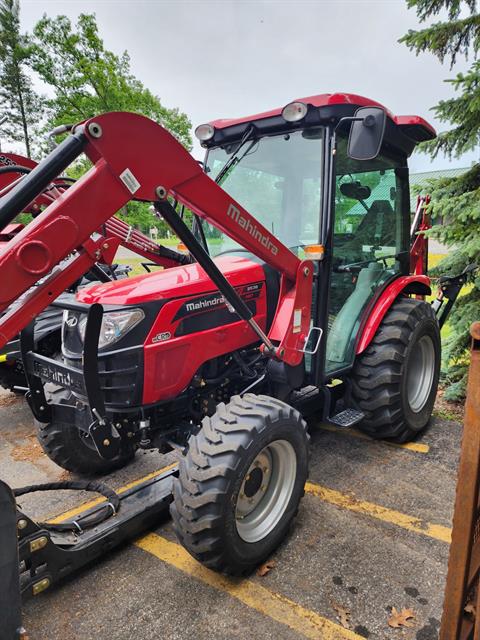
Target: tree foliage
[88,79]
[448,38]
[455,200]
[20,103]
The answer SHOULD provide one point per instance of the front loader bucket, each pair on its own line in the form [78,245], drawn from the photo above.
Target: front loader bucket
[10,601]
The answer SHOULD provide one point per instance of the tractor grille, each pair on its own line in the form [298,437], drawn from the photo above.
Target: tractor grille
[121,377]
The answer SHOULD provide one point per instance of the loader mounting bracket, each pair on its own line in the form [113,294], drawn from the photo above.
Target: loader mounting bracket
[449,288]
[40,369]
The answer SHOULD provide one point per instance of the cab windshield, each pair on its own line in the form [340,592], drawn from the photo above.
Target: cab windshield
[278,181]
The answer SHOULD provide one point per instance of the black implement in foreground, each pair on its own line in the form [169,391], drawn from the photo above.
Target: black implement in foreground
[10,601]
[33,557]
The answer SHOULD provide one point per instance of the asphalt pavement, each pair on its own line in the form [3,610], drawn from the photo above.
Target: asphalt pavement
[372,533]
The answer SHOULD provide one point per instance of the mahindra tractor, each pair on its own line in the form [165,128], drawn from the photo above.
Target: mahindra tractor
[303,293]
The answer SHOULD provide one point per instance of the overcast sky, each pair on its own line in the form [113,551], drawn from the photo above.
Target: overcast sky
[227,58]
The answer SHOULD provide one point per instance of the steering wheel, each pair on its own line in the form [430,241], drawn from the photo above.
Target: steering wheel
[356,267]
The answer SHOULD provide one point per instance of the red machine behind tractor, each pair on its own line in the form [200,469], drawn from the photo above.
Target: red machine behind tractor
[303,293]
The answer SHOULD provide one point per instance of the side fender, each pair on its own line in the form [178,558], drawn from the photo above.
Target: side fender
[418,285]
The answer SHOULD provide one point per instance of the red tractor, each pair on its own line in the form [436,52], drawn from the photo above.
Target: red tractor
[301,294]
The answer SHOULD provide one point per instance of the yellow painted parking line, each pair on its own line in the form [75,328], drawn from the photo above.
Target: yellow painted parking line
[418,447]
[269,603]
[71,513]
[331,496]
[351,503]
[277,607]
[274,605]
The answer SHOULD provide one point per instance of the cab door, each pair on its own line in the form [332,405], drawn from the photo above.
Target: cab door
[370,245]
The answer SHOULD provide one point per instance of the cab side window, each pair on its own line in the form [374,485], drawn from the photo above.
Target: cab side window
[370,245]
[368,215]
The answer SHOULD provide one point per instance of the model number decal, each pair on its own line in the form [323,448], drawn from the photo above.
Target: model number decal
[215,301]
[161,337]
[6,161]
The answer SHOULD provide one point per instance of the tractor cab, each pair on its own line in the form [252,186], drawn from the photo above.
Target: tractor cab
[327,195]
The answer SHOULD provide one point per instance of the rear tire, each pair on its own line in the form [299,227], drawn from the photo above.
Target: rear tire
[395,379]
[240,483]
[65,445]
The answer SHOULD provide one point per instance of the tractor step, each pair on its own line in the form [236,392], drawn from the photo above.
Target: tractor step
[346,418]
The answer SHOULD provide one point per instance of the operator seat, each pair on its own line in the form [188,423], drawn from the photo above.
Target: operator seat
[377,229]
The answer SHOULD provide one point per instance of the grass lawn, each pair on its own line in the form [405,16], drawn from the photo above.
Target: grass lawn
[136,264]
[434,259]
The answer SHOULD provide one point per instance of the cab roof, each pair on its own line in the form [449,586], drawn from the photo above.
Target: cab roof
[404,132]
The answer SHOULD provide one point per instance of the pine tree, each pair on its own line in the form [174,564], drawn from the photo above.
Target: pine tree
[22,106]
[455,199]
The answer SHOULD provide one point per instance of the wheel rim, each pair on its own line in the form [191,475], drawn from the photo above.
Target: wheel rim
[420,373]
[266,491]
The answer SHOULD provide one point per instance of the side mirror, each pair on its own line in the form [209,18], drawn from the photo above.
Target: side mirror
[366,134]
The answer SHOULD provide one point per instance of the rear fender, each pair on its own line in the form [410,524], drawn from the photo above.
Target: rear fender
[404,285]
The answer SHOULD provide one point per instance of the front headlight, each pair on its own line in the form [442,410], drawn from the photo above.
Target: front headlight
[115,325]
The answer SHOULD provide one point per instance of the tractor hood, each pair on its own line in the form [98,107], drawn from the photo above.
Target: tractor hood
[176,282]
[185,324]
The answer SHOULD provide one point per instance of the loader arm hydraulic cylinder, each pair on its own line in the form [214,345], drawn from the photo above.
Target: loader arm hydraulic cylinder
[16,200]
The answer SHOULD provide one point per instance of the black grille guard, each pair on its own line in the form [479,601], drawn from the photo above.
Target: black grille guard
[86,381]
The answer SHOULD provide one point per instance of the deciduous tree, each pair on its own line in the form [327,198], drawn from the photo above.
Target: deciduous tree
[20,103]
[88,79]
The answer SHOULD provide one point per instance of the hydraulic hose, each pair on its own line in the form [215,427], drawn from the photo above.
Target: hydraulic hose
[104,511]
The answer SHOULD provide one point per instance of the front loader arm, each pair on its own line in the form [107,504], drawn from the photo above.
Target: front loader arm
[132,157]
[13,167]
[149,162]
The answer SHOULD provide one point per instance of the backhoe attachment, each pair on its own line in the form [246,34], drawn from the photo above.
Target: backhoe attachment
[449,288]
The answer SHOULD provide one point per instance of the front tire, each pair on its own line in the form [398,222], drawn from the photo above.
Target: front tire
[240,483]
[395,379]
[65,444]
